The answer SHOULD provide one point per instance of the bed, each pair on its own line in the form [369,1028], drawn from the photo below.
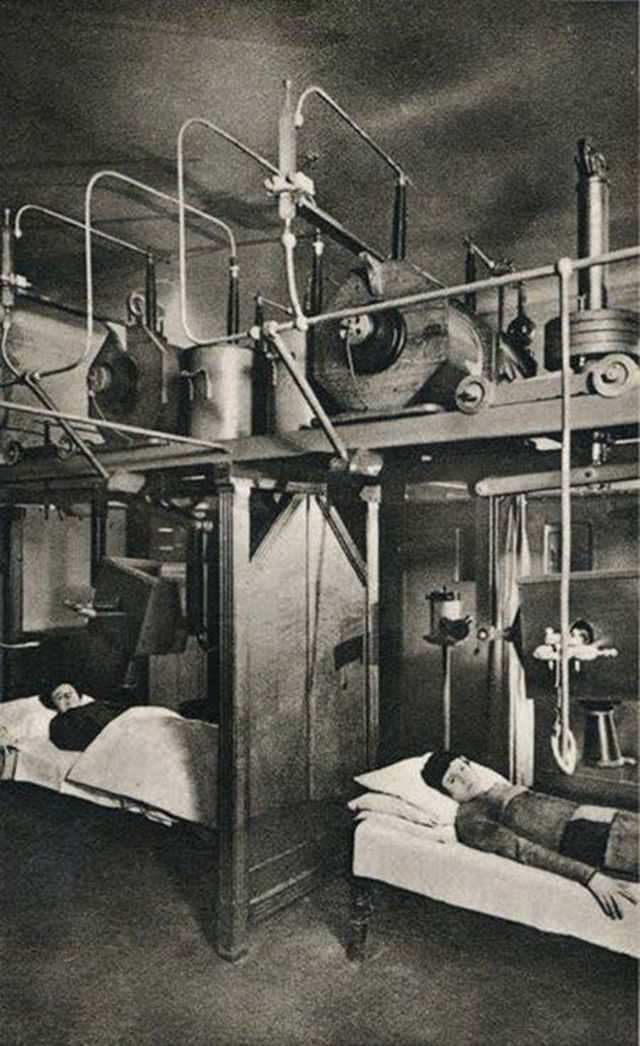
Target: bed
[148,760]
[424,858]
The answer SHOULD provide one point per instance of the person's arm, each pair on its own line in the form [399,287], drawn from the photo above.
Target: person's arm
[476,829]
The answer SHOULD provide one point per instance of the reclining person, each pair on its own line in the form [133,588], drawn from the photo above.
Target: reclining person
[588,844]
[79,719]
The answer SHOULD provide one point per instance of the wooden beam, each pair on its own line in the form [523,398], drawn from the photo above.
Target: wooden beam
[537,418]
[232,908]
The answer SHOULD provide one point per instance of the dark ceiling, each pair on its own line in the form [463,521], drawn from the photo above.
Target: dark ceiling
[480,101]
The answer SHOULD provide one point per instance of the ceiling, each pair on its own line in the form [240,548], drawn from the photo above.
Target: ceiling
[480,101]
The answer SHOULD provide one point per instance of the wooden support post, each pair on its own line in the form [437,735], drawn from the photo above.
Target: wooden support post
[371,496]
[362,908]
[232,909]
[392,624]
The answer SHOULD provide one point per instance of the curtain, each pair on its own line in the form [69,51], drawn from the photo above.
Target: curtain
[514,562]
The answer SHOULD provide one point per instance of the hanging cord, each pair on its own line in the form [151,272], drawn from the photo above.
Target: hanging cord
[563,743]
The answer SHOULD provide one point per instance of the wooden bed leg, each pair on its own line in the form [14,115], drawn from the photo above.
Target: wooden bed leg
[361,911]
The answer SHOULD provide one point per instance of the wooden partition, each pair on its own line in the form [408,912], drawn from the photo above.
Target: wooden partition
[297,691]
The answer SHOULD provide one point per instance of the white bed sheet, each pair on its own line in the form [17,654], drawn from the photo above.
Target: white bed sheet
[149,760]
[403,855]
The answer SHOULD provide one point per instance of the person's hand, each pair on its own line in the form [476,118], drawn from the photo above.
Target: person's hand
[612,893]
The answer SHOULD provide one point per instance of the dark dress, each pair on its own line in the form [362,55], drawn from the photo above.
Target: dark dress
[75,729]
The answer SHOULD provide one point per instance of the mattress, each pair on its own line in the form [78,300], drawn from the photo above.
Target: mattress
[402,854]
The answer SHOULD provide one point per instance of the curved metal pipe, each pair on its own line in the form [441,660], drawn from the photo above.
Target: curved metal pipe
[17,226]
[182,251]
[289,243]
[88,231]
[298,121]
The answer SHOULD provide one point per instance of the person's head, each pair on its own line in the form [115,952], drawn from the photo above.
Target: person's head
[64,697]
[454,775]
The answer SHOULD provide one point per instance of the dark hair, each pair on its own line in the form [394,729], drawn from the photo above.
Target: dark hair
[436,767]
[46,697]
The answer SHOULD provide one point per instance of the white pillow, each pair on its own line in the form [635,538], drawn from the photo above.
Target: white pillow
[23,719]
[404,780]
[379,803]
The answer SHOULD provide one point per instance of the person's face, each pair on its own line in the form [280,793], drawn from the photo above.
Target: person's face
[65,697]
[462,781]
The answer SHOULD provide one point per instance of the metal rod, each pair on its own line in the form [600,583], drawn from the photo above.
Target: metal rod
[113,426]
[566,742]
[298,121]
[182,207]
[72,221]
[150,295]
[490,282]
[528,482]
[33,383]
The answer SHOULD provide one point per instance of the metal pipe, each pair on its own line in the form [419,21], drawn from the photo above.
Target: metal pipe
[113,426]
[305,388]
[470,275]
[545,271]
[565,750]
[150,295]
[317,274]
[593,222]
[7,295]
[233,298]
[32,383]
[77,224]
[182,247]
[298,121]
[529,482]
[289,243]
[182,207]
[399,229]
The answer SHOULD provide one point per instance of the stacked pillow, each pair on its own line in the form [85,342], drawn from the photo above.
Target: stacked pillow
[399,790]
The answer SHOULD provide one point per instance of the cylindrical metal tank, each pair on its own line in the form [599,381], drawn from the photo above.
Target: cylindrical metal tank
[396,358]
[41,339]
[290,409]
[219,383]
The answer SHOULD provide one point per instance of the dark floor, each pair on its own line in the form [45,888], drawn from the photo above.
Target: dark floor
[104,943]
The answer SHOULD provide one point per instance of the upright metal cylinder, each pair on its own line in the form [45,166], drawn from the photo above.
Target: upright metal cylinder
[220,391]
[291,410]
[593,223]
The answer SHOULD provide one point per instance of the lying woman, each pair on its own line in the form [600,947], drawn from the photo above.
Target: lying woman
[79,720]
[589,844]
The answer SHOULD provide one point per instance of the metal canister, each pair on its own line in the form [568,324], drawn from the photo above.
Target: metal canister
[219,384]
[290,409]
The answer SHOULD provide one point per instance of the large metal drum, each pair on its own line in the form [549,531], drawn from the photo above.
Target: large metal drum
[41,339]
[219,384]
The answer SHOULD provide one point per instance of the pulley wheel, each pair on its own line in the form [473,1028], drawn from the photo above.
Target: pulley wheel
[613,375]
[65,448]
[13,452]
[473,394]
[376,341]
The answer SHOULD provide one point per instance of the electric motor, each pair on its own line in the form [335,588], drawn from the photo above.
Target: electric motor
[394,358]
